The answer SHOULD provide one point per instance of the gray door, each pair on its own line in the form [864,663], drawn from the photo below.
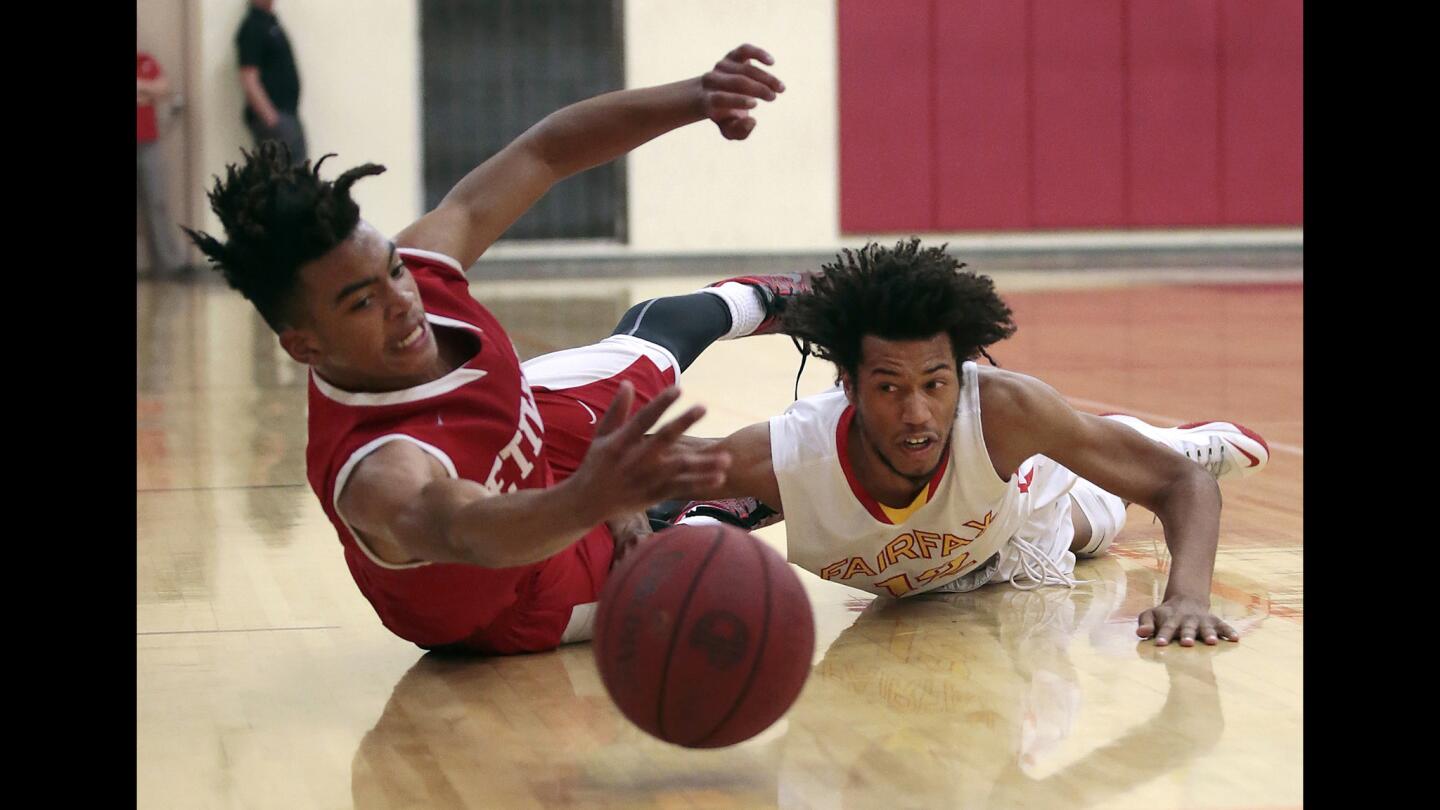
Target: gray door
[493,68]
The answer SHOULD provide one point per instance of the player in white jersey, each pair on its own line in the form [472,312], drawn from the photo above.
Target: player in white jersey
[892,482]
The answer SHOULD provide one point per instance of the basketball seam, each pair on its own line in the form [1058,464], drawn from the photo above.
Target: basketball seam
[675,630]
[602,632]
[759,649]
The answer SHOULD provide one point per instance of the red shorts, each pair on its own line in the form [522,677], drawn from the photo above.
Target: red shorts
[573,388]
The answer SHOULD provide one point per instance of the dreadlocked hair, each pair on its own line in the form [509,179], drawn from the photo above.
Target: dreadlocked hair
[901,293]
[277,215]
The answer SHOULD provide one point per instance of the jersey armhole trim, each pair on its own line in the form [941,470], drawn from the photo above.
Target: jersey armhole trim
[789,431]
[432,256]
[970,374]
[779,444]
[343,477]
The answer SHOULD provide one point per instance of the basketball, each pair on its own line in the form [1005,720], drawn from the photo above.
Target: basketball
[703,637]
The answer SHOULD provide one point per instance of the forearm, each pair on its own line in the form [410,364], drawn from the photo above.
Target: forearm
[256,96]
[152,89]
[1190,514]
[598,130]
[751,473]
[500,531]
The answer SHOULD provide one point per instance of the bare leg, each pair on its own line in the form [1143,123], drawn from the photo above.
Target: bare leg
[1083,530]
[1082,527]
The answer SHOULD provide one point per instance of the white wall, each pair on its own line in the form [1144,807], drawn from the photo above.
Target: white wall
[693,191]
[359,63]
[689,192]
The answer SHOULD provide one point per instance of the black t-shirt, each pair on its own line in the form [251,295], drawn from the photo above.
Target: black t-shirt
[263,45]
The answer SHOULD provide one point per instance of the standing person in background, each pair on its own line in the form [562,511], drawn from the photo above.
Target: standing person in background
[151,86]
[270,80]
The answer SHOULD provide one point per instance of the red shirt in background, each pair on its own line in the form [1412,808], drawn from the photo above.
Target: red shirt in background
[145,128]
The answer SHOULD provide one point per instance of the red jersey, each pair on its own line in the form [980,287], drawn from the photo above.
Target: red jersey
[145,128]
[482,424]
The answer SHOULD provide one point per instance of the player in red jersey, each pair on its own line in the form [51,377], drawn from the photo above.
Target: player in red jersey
[471,494]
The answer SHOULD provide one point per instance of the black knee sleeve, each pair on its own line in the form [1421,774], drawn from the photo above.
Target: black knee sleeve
[684,324]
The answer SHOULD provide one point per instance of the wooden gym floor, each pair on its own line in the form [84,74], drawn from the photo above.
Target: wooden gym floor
[265,680]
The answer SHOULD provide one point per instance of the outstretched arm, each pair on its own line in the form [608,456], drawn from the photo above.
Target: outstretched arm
[1025,417]
[408,509]
[581,136]
[751,473]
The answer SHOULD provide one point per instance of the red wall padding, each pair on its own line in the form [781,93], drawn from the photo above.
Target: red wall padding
[1174,113]
[1077,60]
[982,166]
[886,128]
[1023,115]
[1261,122]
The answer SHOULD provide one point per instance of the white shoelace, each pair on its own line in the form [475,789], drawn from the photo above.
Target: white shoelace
[1036,566]
[1211,456]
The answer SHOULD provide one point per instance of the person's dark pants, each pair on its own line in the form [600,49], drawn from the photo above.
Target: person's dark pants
[287,130]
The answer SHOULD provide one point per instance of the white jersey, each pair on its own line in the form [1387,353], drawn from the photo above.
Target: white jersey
[835,530]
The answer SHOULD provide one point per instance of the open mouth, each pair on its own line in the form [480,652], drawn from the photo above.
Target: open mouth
[917,445]
[413,339]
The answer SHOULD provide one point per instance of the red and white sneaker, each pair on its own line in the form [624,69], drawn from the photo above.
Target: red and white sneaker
[747,513]
[772,292]
[1222,448]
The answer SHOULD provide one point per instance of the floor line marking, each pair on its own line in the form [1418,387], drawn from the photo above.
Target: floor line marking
[233,630]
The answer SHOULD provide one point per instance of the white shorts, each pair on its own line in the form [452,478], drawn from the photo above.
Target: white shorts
[1050,527]
[1054,492]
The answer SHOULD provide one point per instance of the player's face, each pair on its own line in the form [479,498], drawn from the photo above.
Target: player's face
[905,394]
[363,327]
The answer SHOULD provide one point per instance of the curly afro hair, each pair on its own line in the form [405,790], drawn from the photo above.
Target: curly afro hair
[901,293]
